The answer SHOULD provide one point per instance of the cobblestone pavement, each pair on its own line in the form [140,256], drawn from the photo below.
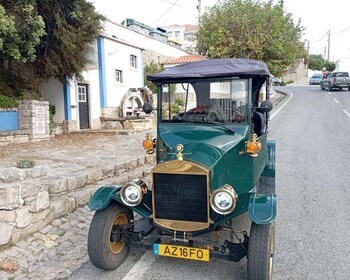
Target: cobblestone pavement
[58,249]
[54,252]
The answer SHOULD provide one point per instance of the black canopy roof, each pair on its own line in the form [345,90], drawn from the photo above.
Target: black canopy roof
[212,68]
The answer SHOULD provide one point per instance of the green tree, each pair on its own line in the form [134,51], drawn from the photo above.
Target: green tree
[317,62]
[71,26]
[43,38]
[152,68]
[251,29]
[21,28]
[330,66]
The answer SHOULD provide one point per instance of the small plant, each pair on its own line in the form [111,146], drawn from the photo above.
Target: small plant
[7,102]
[26,163]
[52,112]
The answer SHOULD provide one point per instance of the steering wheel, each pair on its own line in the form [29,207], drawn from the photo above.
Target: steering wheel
[216,116]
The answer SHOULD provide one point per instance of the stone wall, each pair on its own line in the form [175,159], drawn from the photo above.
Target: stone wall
[31,198]
[33,118]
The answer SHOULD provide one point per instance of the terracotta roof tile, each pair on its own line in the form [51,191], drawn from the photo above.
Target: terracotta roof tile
[184,59]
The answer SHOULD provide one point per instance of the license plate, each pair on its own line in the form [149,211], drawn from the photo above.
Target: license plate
[182,252]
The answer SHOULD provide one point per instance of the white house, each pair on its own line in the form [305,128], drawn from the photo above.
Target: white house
[184,34]
[112,86]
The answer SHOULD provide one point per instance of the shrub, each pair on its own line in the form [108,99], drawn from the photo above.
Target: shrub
[26,163]
[52,112]
[7,102]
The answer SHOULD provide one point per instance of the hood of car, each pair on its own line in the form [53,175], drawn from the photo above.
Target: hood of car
[205,144]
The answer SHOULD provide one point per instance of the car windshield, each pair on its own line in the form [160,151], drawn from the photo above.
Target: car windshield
[222,101]
[316,76]
[342,74]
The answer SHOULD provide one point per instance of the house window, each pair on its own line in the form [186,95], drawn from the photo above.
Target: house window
[118,76]
[133,62]
[81,93]
[177,35]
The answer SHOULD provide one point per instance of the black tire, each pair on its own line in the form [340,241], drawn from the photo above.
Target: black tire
[322,88]
[260,251]
[348,88]
[104,253]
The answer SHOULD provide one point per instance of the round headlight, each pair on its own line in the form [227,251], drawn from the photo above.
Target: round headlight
[132,193]
[223,200]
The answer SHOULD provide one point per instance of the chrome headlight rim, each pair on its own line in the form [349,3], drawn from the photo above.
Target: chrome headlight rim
[227,190]
[137,185]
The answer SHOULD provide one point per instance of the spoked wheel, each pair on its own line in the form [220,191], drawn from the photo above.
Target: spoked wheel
[260,251]
[106,247]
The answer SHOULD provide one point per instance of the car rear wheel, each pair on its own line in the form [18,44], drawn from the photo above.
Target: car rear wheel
[106,248]
[261,251]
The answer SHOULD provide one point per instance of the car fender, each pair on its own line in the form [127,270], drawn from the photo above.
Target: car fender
[102,197]
[262,208]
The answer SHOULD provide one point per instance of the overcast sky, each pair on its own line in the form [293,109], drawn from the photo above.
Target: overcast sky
[317,16]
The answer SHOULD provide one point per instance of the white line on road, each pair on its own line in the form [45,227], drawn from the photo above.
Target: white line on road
[139,269]
[346,113]
[280,108]
[336,101]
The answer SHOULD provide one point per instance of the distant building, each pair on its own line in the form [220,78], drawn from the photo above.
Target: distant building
[184,35]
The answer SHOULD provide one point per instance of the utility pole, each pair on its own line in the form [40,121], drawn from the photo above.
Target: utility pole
[199,12]
[329,43]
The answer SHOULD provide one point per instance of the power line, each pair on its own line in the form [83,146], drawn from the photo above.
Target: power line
[173,4]
[315,42]
[337,33]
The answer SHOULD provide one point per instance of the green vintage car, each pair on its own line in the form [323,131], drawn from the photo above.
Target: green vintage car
[214,165]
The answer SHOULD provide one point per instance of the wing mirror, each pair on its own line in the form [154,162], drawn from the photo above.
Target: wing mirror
[265,106]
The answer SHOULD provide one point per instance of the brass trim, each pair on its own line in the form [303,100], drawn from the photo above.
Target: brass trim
[181,225]
[181,167]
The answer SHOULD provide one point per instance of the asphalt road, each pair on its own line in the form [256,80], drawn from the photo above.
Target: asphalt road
[312,132]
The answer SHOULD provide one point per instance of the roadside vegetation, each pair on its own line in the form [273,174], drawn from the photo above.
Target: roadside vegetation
[41,39]
[252,29]
[317,62]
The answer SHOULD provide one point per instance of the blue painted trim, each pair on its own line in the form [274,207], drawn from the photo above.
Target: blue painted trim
[8,120]
[66,97]
[156,248]
[102,71]
[142,67]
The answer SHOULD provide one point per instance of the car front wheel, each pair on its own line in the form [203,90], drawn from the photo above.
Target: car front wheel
[106,247]
[261,251]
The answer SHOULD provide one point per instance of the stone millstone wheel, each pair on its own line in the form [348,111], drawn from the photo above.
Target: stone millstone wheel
[131,104]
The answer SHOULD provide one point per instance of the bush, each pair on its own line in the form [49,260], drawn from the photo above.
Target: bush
[180,102]
[52,112]
[7,102]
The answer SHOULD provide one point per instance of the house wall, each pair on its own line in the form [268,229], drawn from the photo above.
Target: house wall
[118,57]
[52,91]
[163,50]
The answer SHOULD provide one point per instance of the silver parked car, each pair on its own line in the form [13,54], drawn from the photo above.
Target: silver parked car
[316,79]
